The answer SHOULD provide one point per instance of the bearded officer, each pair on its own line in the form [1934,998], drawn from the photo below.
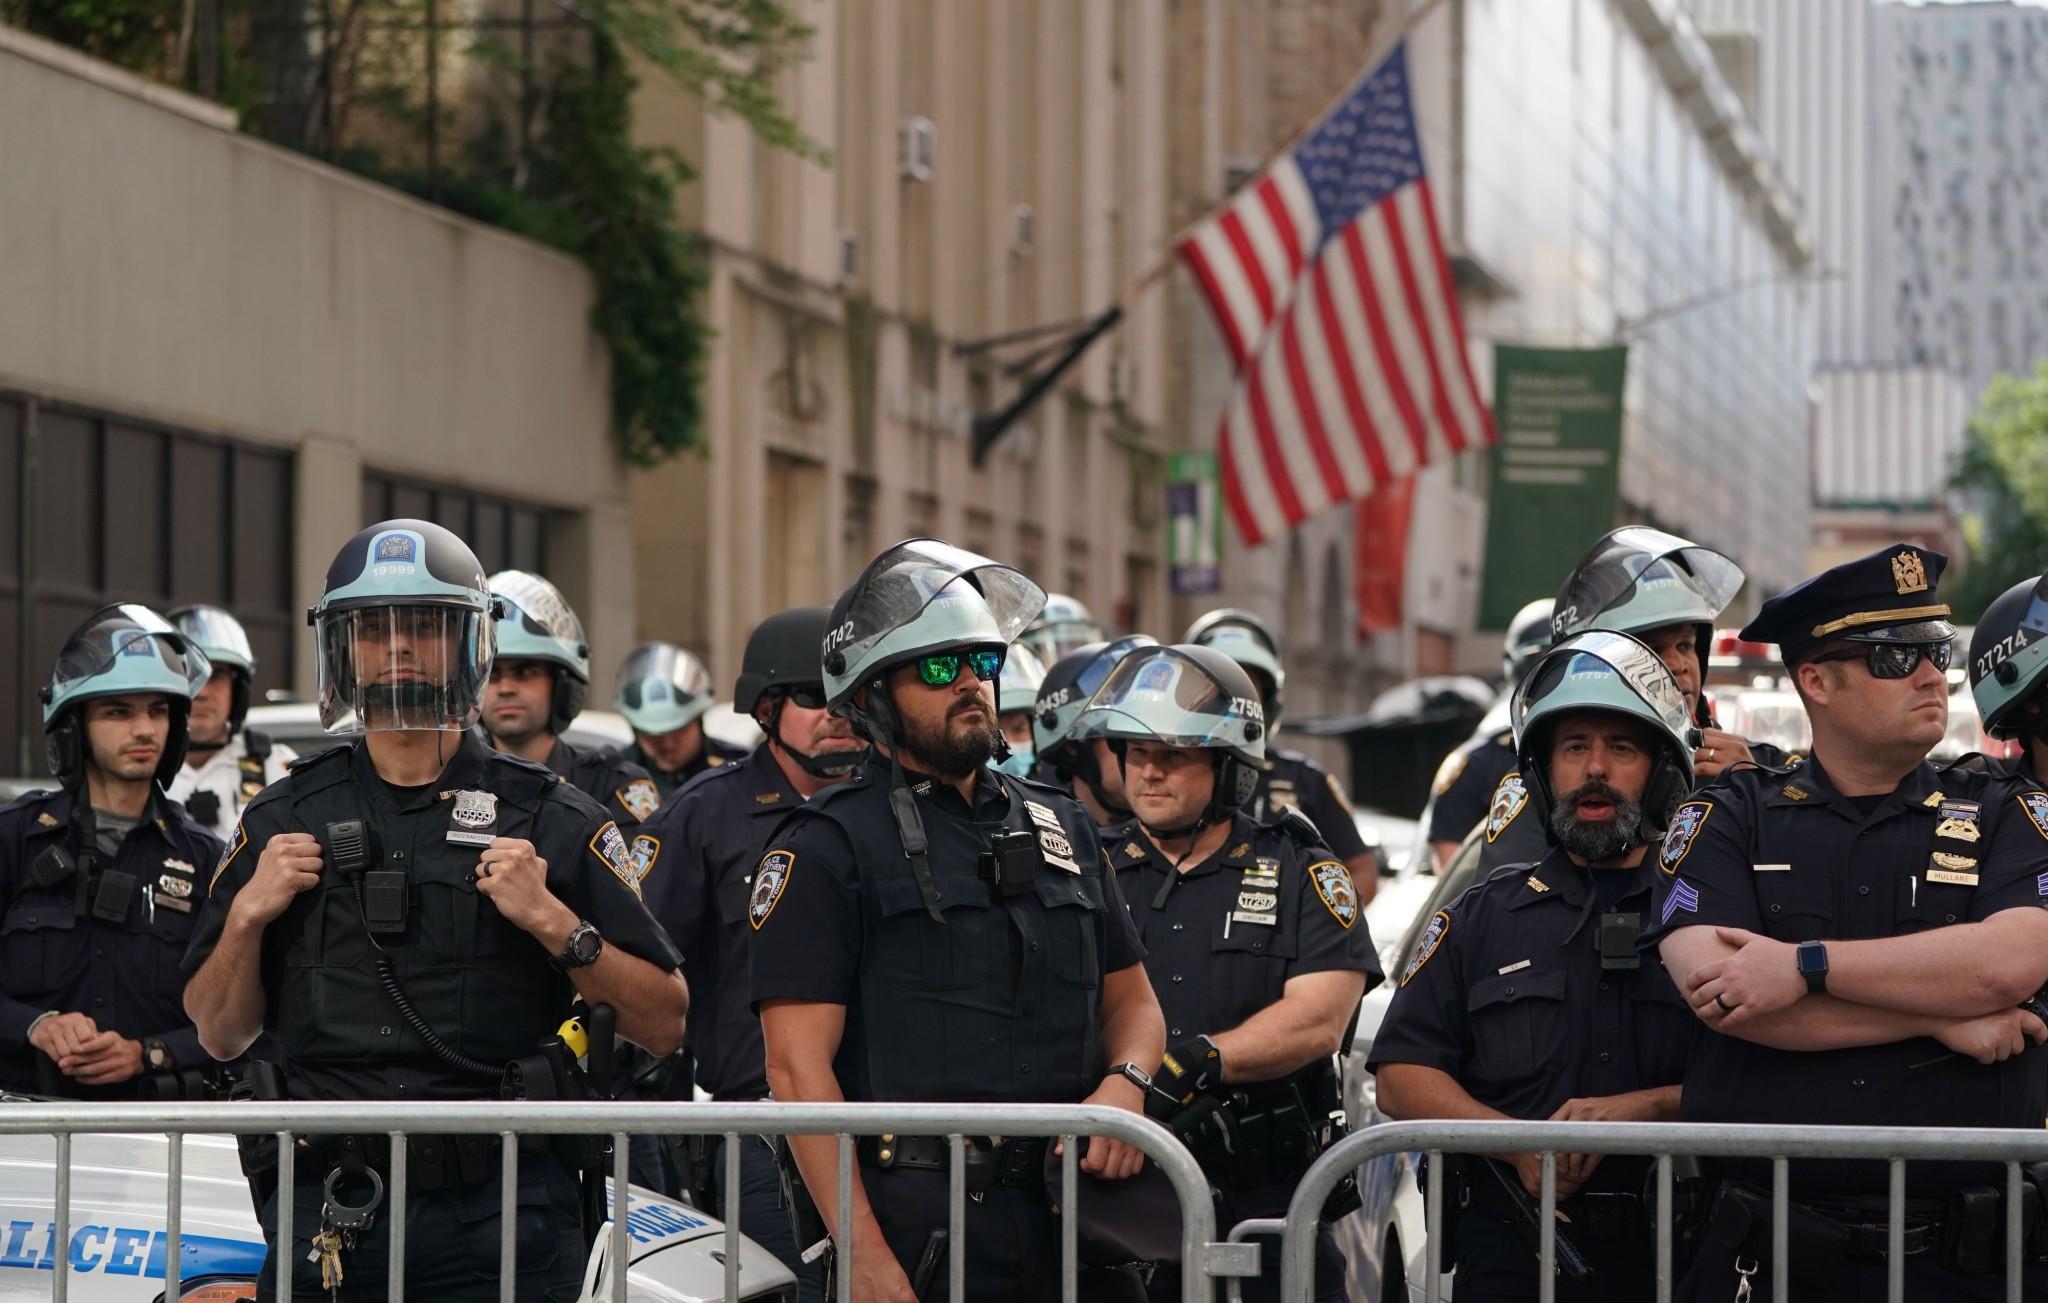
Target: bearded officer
[538,686]
[408,914]
[933,929]
[1859,928]
[1256,944]
[664,693]
[98,877]
[226,762]
[706,843]
[1290,779]
[1528,996]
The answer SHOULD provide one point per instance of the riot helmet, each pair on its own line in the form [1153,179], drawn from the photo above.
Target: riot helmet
[537,623]
[1023,675]
[120,650]
[1064,695]
[1064,625]
[226,644]
[780,664]
[663,688]
[2009,658]
[1528,634]
[1612,672]
[1184,696]
[1636,579]
[405,631]
[1249,641]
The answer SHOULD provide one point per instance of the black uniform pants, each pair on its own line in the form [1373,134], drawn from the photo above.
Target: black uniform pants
[763,1215]
[451,1241]
[1496,1264]
[1234,1206]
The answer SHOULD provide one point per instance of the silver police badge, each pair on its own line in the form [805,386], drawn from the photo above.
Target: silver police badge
[474,816]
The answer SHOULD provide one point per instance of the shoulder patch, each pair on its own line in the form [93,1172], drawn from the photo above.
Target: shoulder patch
[640,798]
[1447,773]
[771,878]
[2036,805]
[1509,800]
[236,842]
[609,845]
[640,857]
[1686,823]
[1432,937]
[1338,795]
[1333,884]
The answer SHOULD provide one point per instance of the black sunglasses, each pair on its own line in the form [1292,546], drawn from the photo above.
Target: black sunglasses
[810,696]
[1896,660]
[939,671]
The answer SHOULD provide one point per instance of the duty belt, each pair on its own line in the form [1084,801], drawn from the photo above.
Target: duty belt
[1014,1161]
[431,1162]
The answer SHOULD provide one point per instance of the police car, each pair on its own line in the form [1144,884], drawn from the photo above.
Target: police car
[117,1238]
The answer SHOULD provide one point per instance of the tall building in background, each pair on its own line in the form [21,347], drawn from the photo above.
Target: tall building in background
[995,167]
[1597,180]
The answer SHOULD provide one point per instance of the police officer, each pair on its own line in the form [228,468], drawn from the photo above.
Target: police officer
[538,685]
[2008,667]
[1528,996]
[706,842]
[1666,591]
[1834,921]
[411,912]
[1063,626]
[1017,706]
[1290,779]
[98,877]
[933,929]
[1254,935]
[1465,782]
[663,693]
[226,763]
[1084,769]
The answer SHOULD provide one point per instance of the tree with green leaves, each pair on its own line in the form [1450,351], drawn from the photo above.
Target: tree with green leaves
[2003,478]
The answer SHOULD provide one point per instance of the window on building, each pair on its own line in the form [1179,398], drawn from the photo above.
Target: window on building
[101,509]
[505,534]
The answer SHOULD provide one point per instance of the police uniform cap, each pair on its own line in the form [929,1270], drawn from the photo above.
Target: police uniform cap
[1887,596]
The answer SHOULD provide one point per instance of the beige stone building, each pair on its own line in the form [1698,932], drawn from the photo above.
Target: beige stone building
[995,166]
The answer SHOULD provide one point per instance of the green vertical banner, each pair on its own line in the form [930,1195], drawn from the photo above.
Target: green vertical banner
[1556,470]
[1194,524]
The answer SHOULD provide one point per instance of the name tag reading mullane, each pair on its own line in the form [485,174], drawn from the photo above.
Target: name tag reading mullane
[474,819]
[1258,897]
[1955,837]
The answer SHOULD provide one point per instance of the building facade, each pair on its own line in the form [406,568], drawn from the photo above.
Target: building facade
[996,167]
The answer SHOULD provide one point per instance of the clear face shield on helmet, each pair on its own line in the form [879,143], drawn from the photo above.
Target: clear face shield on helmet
[663,688]
[1158,695]
[923,596]
[387,667]
[1064,626]
[219,635]
[1640,578]
[125,648]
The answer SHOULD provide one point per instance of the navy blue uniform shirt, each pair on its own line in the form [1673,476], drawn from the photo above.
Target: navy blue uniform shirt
[1292,781]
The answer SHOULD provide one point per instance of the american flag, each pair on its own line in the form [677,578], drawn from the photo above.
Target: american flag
[1328,279]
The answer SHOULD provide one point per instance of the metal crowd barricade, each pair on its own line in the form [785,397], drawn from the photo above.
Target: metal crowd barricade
[1895,1145]
[1201,1257]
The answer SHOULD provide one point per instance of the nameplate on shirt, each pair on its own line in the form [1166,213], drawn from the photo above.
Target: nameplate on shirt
[1246,916]
[1952,877]
[1515,967]
[1770,868]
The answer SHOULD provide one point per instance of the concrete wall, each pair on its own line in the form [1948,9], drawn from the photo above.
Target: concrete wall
[157,263]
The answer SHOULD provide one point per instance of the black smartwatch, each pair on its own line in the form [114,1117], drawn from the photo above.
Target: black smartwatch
[1134,1074]
[582,950]
[1813,966]
[156,1056]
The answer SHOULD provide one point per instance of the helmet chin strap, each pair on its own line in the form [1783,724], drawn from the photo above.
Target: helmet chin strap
[833,764]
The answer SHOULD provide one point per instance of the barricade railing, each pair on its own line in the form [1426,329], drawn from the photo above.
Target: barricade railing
[1201,1257]
[1664,1141]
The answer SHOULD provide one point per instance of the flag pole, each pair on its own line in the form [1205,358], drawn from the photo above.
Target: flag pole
[990,427]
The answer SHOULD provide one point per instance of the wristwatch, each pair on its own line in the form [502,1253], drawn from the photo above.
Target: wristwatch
[582,950]
[1134,1074]
[156,1056]
[1813,966]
